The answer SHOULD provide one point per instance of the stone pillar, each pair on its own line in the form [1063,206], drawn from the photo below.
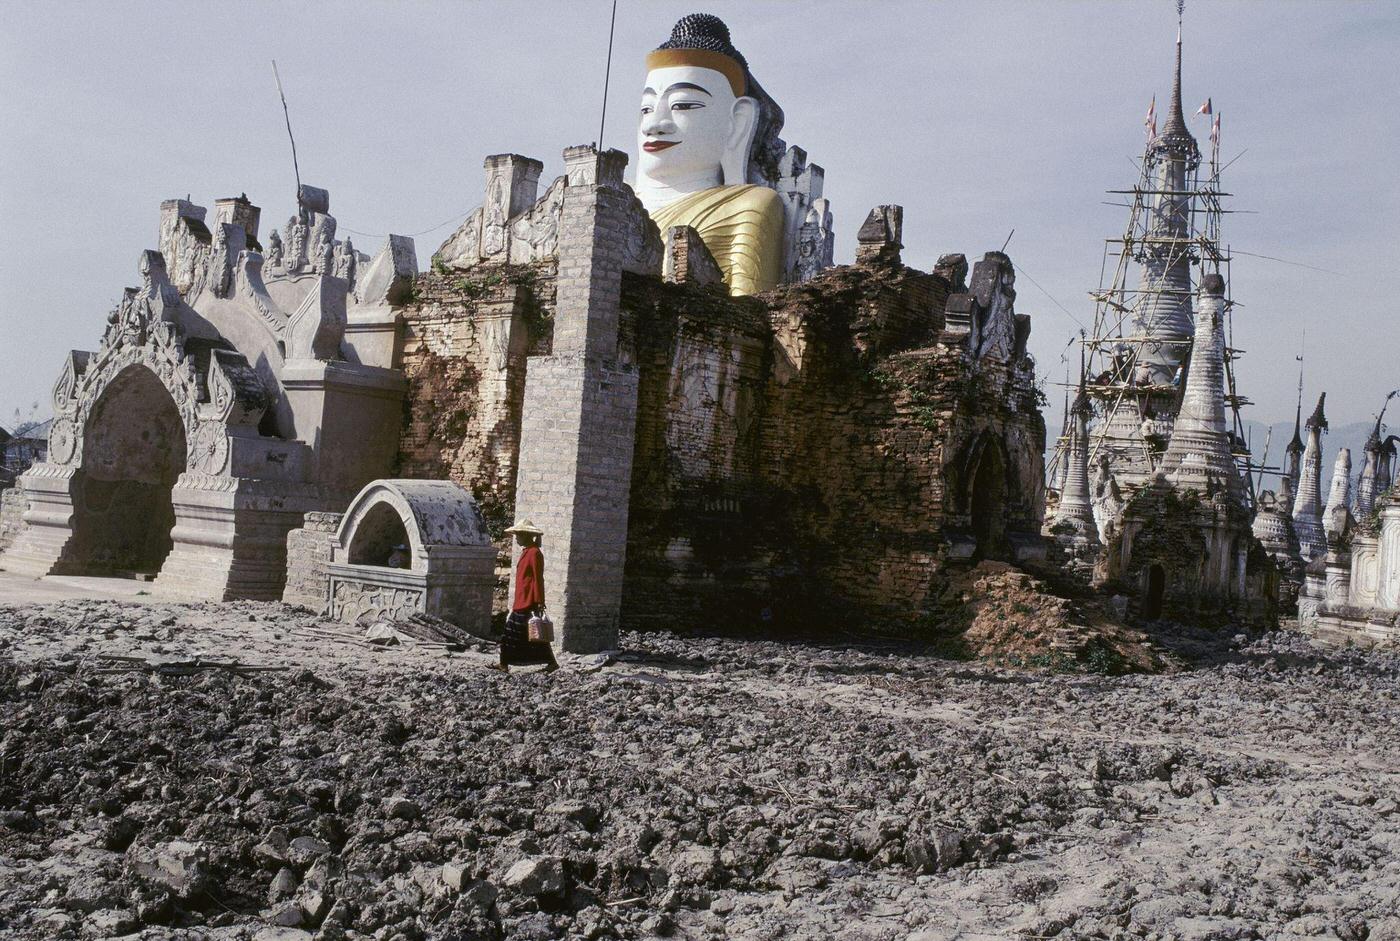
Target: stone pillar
[1338,578]
[1388,587]
[1366,484]
[1334,517]
[1312,594]
[231,537]
[309,550]
[13,503]
[237,210]
[42,545]
[1365,570]
[1293,467]
[580,413]
[512,185]
[880,236]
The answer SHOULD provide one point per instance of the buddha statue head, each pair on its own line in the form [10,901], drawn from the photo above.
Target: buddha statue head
[701,114]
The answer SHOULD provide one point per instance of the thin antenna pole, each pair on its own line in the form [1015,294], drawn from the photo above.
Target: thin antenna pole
[1302,350]
[607,75]
[295,169]
[1008,241]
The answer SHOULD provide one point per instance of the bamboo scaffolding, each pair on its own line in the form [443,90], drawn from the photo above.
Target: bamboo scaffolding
[1123,329]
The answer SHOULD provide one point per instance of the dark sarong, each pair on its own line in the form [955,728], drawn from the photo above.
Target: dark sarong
[516,647]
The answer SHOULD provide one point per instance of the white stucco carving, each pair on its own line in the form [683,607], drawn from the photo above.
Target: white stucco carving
[207,401]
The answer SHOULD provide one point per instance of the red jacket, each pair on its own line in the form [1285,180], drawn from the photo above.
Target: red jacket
[529,580]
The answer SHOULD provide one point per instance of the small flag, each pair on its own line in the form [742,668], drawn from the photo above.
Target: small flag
[1205,108]
[1215,131]
[1150,122]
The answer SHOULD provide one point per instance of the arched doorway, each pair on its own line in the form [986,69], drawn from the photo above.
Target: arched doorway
[133,452]
[987,502]
[381,539]
[1156,590]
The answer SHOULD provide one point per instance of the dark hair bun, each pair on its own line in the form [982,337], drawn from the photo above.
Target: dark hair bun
[703,31]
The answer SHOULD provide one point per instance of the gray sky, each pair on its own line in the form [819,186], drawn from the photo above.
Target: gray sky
[978,117]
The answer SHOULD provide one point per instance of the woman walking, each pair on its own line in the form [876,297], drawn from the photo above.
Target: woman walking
[516,646]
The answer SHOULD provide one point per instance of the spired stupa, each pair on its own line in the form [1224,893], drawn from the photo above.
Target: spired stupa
[1138,352]
[1307,503]
[1174,507]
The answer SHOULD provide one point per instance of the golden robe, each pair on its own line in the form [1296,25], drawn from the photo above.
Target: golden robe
[742,226]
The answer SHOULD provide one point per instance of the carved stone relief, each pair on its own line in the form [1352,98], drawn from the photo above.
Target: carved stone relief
[493,229]
[142,333]
[360,602]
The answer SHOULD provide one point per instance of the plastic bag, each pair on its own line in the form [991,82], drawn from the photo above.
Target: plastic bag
[541,628]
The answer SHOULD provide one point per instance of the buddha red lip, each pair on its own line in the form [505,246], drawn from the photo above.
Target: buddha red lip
[652,146]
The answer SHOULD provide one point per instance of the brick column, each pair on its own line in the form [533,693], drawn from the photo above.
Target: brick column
[580,414]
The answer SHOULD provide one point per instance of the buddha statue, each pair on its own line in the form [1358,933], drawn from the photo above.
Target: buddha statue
[702,118]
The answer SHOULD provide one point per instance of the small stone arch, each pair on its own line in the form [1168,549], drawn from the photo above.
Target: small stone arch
[451,559]
[133,452]
[435,513]
[381,538]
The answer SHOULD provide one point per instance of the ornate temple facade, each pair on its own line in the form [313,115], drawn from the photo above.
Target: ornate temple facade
[1351,592]
[232,392]
[827,447]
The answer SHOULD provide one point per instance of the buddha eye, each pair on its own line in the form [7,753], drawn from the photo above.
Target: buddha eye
[686,105]
[646,109]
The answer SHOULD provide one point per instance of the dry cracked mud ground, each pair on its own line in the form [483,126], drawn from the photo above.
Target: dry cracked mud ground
[693,788]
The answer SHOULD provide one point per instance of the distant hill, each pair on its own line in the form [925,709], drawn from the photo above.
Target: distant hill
[1351,435]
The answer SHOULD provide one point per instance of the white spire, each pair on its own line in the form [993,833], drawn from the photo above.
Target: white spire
[1307,506]
[1200,444]
[1339,498]
[1076,506]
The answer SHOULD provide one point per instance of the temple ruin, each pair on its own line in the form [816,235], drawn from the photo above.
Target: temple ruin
[1351,593]
[825,447]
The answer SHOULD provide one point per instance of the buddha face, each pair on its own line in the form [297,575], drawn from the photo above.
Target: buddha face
[693,130]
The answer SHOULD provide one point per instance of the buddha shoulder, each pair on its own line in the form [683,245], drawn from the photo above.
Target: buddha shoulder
[749,200]
[741,225]
[751,196]
[721,206]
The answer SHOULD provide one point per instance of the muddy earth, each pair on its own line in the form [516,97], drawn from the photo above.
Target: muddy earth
[688,787]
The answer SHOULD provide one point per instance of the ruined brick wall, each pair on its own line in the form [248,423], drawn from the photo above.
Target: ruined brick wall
[813,454]
[703,361]
[466,339]
[12,507]
[308,550]
[1194,543]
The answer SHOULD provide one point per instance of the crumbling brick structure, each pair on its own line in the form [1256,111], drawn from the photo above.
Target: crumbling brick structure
[821,451]
[309,550]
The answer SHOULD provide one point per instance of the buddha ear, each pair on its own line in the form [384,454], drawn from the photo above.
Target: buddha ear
[735,162]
